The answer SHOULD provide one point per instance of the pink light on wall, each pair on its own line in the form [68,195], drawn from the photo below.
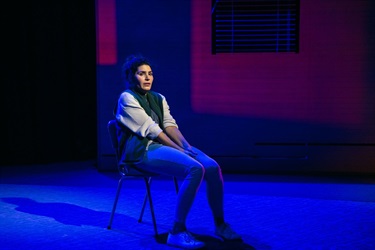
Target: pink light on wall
[323,83]
[106,32]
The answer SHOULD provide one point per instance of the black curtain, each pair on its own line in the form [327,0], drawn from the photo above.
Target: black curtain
[48,87]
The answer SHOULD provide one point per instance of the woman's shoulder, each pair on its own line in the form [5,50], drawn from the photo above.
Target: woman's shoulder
[156,94]
[127,96]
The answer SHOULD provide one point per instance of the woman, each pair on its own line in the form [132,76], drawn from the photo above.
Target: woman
[151,141]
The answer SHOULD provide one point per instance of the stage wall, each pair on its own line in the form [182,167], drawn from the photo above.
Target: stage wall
[311,111]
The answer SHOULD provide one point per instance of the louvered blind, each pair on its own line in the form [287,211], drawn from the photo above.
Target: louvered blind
[255,26]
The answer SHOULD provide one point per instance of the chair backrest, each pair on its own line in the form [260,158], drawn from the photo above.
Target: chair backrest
[123,168]
[112,130]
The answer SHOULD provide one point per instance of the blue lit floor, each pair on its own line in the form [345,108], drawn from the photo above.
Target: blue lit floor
[67,206]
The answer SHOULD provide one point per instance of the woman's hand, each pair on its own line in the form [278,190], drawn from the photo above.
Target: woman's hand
[190,151]
[176,136]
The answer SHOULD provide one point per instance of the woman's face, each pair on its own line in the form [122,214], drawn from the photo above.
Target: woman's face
[144,77]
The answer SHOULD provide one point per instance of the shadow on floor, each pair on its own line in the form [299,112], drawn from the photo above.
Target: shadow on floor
[65,213]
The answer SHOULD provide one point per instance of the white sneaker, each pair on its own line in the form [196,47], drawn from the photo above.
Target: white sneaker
[184,240]
[227,233]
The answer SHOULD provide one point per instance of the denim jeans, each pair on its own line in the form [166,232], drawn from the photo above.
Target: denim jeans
[169,161]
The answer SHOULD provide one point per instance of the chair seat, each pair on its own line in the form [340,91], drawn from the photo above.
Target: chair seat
[132,170]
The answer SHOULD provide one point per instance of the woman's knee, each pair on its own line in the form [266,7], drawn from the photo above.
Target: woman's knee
[212,169]
[197,171]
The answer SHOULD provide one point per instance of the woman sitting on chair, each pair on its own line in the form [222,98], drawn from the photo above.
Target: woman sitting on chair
[152,142]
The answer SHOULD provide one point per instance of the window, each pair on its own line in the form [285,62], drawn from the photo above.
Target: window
[255,26]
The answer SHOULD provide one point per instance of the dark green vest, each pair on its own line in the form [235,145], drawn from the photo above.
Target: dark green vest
[132,146]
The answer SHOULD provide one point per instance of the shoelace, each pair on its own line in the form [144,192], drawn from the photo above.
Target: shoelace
[188,237]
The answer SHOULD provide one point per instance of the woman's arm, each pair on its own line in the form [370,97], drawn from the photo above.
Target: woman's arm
[173,133]
[164,139]
[176,136]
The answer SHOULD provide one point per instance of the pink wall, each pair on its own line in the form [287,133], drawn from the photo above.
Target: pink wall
[306,111]
[106,51]
[323,83]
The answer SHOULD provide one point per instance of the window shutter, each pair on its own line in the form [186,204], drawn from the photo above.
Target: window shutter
[255,26]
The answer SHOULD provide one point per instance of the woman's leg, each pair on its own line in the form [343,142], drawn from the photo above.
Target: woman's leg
[169,161]
[214,185]
[215,193]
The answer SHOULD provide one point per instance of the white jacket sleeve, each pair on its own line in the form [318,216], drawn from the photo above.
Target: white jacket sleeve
[168,121]
[131,114]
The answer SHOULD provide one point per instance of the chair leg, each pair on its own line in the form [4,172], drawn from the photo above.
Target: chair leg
[175,184]
[115,202]
[144,203]
[147,182]
[145,199]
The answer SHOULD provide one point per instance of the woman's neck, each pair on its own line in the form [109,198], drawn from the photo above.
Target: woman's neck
[140,91]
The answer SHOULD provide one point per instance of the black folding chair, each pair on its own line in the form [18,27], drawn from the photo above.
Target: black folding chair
[126,171]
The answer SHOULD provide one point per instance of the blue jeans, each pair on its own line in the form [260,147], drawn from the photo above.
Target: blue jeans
[169,161]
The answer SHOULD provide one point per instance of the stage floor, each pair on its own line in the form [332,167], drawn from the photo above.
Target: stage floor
[68,205]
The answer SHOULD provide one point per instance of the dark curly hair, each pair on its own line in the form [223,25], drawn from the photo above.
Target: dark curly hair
[131,66]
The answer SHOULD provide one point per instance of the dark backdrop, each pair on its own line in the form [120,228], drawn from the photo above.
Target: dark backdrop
[48,87]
